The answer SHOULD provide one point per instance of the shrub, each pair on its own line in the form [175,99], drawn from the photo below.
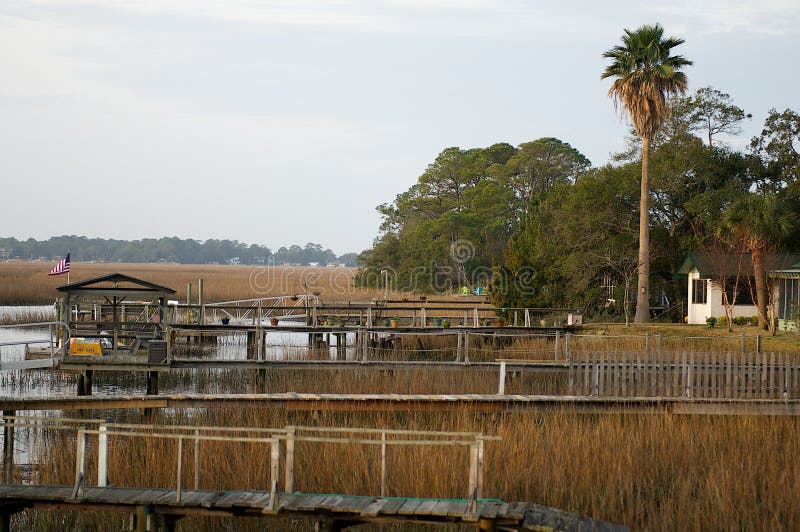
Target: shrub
[711,321]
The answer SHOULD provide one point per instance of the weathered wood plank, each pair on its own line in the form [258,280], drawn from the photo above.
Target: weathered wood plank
[408,507]
[425,507]
[391,506]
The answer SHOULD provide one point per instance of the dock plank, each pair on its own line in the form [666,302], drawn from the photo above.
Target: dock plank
[392,506]
[450,508]
[408,507]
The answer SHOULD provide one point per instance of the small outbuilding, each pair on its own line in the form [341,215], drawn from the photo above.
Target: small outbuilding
[708,274]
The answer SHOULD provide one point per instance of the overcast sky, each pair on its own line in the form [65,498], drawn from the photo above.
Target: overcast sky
[287,121]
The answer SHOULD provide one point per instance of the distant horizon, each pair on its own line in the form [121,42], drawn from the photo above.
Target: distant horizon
[272,249]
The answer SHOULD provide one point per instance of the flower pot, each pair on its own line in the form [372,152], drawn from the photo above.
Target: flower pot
[437,322]
[394,323]
[445,324]
[273,322]
[543,323]
[226,321]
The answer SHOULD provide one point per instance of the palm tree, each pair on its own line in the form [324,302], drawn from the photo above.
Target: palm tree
[758,221]
[646,76]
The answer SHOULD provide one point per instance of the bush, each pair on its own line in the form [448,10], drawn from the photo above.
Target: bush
[711,321]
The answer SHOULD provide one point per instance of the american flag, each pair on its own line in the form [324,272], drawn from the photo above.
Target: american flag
[61,267]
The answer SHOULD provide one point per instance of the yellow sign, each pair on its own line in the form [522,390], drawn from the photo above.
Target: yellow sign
[79,346]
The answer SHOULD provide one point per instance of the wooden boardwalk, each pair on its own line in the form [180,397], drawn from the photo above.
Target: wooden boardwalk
[334,511]
[481,403]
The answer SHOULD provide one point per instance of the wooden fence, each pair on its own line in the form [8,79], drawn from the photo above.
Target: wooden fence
[684,374]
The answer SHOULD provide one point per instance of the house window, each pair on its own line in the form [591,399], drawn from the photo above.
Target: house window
[744,294]
[790,295]
[699,295]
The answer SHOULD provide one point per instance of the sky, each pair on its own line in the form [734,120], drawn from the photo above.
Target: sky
[282,122]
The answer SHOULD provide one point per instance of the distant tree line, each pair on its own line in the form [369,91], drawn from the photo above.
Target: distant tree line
[537,225]
[168,249]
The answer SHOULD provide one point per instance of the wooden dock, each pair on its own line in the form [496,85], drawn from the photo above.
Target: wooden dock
[479,403]
[161,507]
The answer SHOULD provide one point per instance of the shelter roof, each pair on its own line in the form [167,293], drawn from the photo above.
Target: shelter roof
[116,284]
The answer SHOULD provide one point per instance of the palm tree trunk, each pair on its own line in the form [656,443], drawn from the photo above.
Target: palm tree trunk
[761,285]
[643,286]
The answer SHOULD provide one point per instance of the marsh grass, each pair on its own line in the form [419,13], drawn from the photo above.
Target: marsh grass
[654,472]
[27,283]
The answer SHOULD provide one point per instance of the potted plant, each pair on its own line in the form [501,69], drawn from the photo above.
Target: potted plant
[437,322]
[226,320]
[394,322]
[445,324]
[273,322]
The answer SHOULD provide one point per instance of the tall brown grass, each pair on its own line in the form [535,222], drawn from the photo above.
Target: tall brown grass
[656,472]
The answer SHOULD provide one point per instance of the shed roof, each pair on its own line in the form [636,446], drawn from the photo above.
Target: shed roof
[713,265]
[116,284]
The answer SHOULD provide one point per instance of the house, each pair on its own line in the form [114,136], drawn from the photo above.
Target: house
[708,272]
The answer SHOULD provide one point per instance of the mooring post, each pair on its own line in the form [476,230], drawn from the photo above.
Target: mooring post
[275,461]
[200,305]
[557,342]
[383,464]
[197,459]
[85,383]
[102,456]
[501,388]
[8,446]
[80,464]
[152,383]
[288,476]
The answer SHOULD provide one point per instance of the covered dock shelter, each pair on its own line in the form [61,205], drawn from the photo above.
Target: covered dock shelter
[122,313]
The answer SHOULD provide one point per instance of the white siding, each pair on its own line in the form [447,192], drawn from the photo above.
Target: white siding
[699,312]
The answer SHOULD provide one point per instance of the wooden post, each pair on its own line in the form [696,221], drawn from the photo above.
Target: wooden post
[473,473]
[288,482]
[383,464]
[466,347]
[80,464]
[557,342]
[460,348]
[567,353]
[475,319]
[527,317]
[200,303]
[480,469]
[744,345]
[8,446]
[275,462]
[180,470]
[595,376]
[501,388]
[102,456]
[152,383]
[197,459]
[758,343]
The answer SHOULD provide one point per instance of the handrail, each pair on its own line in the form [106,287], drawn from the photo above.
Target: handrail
[53,326]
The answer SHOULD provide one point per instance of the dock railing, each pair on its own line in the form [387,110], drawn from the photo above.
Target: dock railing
[57,332]
[279,443]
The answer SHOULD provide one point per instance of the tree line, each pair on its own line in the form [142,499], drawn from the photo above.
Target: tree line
[538,225]
[169,249]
